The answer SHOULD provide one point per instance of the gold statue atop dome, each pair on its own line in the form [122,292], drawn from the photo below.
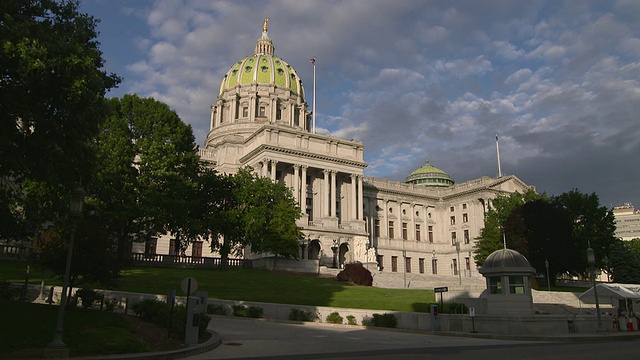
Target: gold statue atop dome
[264,25]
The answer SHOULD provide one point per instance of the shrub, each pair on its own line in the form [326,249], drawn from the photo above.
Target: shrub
[110,304]
[249,312]
[216,309]
[384,320]
[159,313]
[357,274]
[152,310]
[351,320]
[334,318]
[88,297]
[7,291]
[301,315]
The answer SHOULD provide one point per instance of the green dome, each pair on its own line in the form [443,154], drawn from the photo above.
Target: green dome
[263,67]
[429,175]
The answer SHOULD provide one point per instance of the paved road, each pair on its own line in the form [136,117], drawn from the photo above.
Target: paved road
[253,339]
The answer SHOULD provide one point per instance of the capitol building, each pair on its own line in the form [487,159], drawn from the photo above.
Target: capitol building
[424,225]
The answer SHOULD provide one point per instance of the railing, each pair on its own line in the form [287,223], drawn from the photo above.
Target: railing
[7,250]
[179,260]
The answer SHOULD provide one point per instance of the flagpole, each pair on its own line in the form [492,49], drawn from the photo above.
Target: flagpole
[498,152]
[313,61]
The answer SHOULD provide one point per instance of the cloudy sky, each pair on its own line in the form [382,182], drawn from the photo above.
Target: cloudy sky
[557,81]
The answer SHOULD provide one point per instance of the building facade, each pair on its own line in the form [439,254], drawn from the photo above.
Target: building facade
[627,220]
[425,225]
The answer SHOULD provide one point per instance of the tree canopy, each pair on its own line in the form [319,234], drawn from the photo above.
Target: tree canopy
[247,211]
[556,230]
[146,184]
[492,235]
[52,88]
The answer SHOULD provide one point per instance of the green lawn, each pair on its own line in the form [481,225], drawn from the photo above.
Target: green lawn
[254,285]
[31,326]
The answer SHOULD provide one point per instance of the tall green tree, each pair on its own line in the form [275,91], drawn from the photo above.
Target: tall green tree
[492,235]
[623,263]
[245,211]
[269,214]
[147,184]
[542,232]
[52,92]
[593,225]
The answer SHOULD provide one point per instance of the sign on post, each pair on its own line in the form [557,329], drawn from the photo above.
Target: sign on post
[441,289]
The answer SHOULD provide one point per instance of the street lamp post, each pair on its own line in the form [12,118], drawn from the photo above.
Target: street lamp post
[304,245]
[458,264]
[592,263]
[57,348]
[546,265]
[334,248]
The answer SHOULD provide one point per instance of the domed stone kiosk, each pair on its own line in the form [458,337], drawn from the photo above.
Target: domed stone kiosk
[508,292]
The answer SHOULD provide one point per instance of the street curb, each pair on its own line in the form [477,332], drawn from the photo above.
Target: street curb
[206,346]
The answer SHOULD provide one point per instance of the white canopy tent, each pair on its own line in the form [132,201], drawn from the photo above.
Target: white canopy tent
[611,293]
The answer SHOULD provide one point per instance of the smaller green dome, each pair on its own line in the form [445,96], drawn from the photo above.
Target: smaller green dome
[429,175]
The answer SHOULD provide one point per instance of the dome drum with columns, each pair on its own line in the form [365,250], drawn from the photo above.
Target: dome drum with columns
[260,119]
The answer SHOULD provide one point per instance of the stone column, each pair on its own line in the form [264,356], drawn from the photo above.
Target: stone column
[333,193]
[412,223]
[264,169]
[325,195]
[273,170]
[296,184]
[353,197]
[303,189]
[360,215]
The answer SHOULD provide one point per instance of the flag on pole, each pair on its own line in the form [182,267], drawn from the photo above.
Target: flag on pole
[313,60]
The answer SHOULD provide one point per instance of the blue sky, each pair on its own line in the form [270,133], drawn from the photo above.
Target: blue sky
[415,80]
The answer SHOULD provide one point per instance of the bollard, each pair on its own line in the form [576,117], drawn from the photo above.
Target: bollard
[50,299]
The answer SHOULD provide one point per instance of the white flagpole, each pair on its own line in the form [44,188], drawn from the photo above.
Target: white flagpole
[313,61]
[498,151]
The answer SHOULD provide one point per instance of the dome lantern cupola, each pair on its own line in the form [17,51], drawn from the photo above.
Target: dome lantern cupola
[264,45]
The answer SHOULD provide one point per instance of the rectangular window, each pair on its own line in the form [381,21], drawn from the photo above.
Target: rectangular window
[421,265]
[434,266]
[278,114]
[453,238]
[452,209]
[196,249]
[453,220]
[466,236]
[430,234]
[380,262]
[467,262]
[407,264]
[495,285]
[418,232]
[174,247]
[262,112]
[516,285]
[245,112]
[404,231]
[390,229]
[464,206]
[376,228]
[465,218]
[150,246]
[455,266]
[394,264]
